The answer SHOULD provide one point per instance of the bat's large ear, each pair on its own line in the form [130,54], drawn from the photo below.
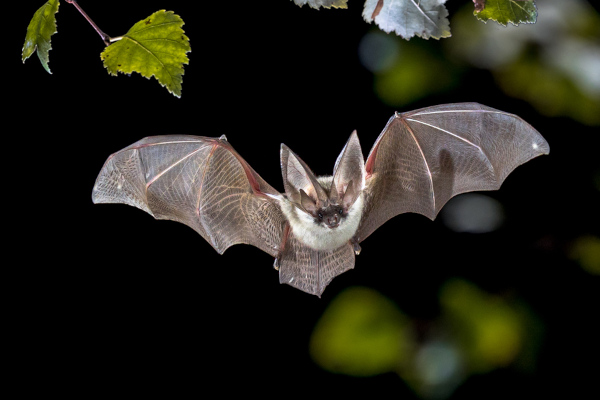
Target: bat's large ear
[349,172]
[297,176]
[307,203]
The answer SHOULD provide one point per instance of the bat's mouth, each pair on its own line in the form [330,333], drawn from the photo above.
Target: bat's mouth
[333,225]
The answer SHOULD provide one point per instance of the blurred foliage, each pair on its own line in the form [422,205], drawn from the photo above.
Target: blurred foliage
[586,251]
[489,329]
[403,70]
[413,80]
[552,64]
[364,333]
[361,333]
[41,27]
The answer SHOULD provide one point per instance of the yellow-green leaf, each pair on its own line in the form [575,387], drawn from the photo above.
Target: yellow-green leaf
[41,27]
[155,46]
[504,11]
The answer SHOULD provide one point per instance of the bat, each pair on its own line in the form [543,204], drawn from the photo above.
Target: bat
[420,160]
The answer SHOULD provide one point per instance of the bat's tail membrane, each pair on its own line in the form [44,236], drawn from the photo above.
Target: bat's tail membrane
[312,270]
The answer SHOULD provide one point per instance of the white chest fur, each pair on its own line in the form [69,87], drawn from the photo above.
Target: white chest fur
[318,236]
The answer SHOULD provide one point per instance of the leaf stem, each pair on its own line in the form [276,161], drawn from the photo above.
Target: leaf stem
[105,38]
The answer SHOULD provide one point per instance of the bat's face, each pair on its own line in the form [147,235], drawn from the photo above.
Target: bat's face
[328,223]
[331,216]
[325,224]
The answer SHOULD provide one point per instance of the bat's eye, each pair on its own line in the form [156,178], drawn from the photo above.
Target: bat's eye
[320,215]
[341,211]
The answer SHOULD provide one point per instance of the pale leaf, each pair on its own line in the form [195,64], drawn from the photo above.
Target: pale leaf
[408,18]
[322,3]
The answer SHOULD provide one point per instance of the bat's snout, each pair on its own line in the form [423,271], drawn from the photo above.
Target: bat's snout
[333,221]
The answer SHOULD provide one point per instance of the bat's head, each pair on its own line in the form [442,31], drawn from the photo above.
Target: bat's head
[329,199]
[329,215]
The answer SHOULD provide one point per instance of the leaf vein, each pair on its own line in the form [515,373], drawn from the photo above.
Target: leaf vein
[153,26]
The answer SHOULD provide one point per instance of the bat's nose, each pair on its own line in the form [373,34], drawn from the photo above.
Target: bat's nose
[333,221]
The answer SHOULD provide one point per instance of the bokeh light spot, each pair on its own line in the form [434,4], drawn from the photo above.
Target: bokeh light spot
[473,213]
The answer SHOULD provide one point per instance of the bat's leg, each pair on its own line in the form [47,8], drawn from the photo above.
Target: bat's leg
[286,233]
[355,245]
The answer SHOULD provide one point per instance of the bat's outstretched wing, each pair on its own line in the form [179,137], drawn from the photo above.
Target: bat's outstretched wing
[424,157]
[199,181]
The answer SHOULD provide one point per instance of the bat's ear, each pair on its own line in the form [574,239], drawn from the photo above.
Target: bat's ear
[349,172]
[297,176]
[307,203]
[351,194]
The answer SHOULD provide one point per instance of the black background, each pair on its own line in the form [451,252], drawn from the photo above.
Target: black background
[107,300]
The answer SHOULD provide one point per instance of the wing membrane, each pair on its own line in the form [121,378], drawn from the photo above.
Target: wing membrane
[425,157]
[198,181]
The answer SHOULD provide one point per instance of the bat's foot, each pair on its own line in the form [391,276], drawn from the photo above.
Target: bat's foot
[355,246]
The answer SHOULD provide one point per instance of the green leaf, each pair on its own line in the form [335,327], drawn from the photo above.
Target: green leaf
[155,46]
[504,11]
[41,27]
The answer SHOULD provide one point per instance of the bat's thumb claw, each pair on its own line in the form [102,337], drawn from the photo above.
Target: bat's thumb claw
[276,264]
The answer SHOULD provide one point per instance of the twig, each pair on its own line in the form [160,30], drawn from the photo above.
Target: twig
[105,38]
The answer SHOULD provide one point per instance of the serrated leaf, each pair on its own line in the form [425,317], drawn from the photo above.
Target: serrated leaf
[155,46]
[408,18]
[41,27]
[504,11]
[323,3]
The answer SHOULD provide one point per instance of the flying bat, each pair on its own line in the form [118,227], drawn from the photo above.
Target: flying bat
[420,160]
